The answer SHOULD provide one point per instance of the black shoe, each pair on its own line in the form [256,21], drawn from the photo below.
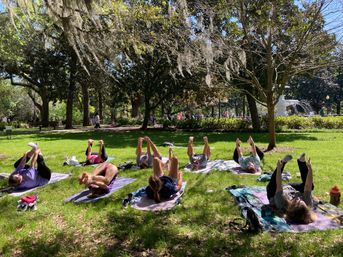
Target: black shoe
[287,158]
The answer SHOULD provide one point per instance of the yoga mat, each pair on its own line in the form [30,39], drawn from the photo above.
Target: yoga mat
[141,202]
[81,197]
[328,216]
[220,165]
[55,177]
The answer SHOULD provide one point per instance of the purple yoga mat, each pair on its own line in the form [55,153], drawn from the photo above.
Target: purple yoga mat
[81,197]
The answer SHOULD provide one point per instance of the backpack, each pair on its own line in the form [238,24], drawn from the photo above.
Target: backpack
[125,166]
[252,222]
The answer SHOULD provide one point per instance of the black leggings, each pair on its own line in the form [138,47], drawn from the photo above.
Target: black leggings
[258,151]
[271,187]
[103,153]
[42,169]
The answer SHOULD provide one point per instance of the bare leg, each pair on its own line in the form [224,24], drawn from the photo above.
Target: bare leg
[174,172]
[104,180]
[153,147]
[309,179]
[253,147]
[190,150]
[139,146]
[207,150]
[34,158]
[238,149]
[22,161]
[174,168]
[157,167]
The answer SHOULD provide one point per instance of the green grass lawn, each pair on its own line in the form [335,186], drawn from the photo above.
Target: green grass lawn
[197,227]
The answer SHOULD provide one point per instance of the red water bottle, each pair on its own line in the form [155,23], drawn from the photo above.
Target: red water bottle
[335,196]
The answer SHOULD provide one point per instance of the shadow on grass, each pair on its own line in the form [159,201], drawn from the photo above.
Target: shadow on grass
[122,139]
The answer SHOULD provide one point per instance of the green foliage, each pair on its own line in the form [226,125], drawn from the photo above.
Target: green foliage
[128,122]
[199,226]
[281,123]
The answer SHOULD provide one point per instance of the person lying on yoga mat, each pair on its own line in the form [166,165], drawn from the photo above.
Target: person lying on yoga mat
[161,186]
[145,159]
[198,161]
[296,209]
[251,163]
[95,158]
[99,180]
[27,176]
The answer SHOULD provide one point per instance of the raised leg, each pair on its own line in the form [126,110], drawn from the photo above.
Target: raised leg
[102,150]
[157,167]
[237,152]
[43,170]
[207,150]
[139,146]
[152,147]
[272,185]
[190,150]
[89,147]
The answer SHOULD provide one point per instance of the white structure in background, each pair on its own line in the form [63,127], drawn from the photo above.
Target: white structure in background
[283,106]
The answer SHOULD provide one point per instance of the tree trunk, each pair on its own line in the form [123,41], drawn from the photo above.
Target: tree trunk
[146,113]
[71,91]
[135,104]
[44,107]
[100,104]
[271,122]
[338,107]
[113,116]
[254,113]
[85,103]
[243,107]
[45,112]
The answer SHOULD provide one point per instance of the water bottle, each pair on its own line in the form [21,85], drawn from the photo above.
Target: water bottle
[335,196]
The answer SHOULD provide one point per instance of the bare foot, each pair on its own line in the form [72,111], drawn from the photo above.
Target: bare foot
[250,141]
[190,140]
[238,142]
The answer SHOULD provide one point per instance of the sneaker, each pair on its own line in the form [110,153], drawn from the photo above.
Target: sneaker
[302,157]
[33,145]
[287,158]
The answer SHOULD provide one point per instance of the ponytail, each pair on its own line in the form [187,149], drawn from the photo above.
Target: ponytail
[156,184]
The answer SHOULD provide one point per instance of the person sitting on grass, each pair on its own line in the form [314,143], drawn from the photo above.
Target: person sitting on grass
[162,187]
[95,158]
[100,179]
[251,163]
[198,161]
[145,159]
[27,176]
[295,208]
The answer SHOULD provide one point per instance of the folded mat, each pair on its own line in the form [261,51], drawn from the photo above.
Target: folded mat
[55,177]
[140,201]
[115,185]
[255,198]
[220,165]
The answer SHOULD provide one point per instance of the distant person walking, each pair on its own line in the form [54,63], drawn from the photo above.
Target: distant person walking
[97,121]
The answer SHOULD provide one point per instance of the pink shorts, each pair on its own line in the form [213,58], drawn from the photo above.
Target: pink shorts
[94,158]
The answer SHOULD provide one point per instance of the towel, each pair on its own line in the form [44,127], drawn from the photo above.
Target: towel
[255,198]
[140,201]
